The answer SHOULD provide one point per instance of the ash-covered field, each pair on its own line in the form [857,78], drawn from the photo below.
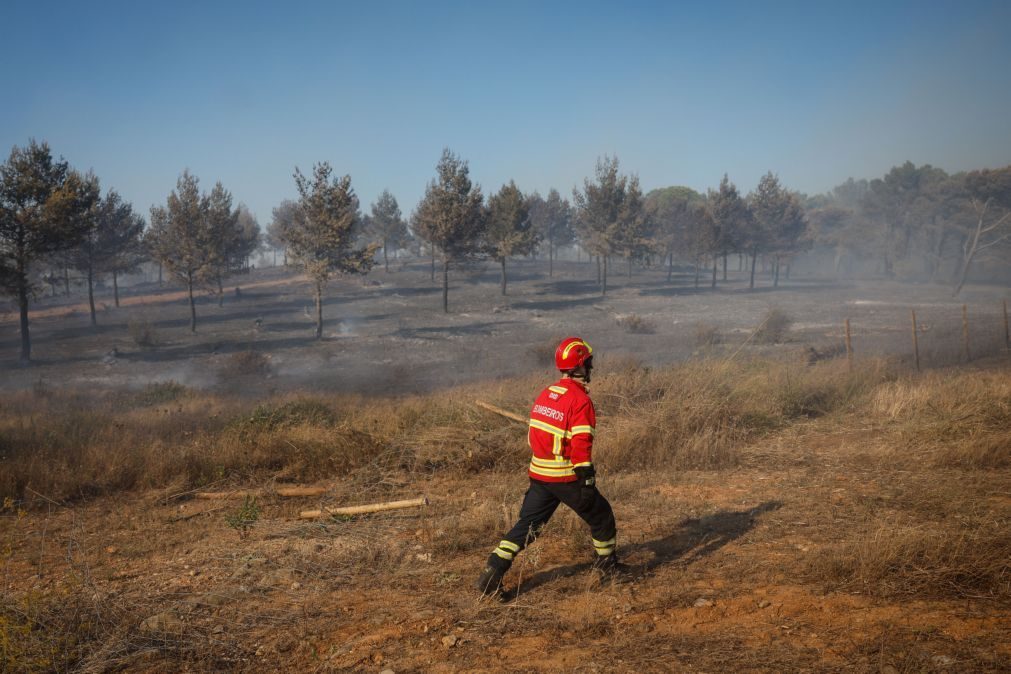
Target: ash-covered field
[386,332]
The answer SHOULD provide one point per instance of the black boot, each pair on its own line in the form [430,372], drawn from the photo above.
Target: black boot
[490,581]
[608,565]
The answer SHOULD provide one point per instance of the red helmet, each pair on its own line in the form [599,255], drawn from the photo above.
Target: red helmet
[572,353]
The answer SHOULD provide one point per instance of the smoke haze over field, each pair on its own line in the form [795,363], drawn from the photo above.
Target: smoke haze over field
[244,93]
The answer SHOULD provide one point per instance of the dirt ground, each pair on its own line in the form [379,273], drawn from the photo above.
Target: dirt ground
[719,578]
[725,567]
[386,333]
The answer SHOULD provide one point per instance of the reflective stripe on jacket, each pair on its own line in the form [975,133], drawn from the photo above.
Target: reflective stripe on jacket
[562,423]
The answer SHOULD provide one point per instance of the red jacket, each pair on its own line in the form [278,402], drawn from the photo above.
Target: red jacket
[562,424]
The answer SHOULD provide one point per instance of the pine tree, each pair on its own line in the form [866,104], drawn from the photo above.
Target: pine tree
[277,231]
[552,218]
[509,230]
[121,234]
[450,216]
[322,236]
[730,217]
[182,238]
[44,208]
[609,214]
[386,224]
[671,209]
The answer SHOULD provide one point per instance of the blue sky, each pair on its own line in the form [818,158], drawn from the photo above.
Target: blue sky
[243,92]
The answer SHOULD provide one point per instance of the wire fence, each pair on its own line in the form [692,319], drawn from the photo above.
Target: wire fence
[934,336]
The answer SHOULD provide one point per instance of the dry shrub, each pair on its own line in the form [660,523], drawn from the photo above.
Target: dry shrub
[774,327]
[143,333]
[245,364]
[544,354]
[707,335]
[957,560]
[635,324]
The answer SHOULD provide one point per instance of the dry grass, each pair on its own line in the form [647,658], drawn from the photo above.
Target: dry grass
[948,559]
[956,419]
[697,415]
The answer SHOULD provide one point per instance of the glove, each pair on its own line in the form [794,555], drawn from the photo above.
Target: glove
[586,478]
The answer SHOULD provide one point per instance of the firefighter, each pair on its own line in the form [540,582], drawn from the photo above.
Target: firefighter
[560,435]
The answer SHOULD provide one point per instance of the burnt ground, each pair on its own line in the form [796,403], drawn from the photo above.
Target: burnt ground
[386,333]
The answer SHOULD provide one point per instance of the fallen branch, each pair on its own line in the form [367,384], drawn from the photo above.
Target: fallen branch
[288,492]
[300,491]
[188,516]
[218,495]
[362,509]
[501,412]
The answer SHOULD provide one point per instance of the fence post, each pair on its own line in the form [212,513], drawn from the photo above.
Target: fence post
[916,343]
[965,331]
[1007,333]
[849,348]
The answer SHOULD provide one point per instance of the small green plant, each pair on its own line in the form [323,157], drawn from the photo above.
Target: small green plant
[243,519]
[160,392]
[296,412]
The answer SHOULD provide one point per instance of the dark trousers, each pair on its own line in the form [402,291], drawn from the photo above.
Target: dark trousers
[540,503]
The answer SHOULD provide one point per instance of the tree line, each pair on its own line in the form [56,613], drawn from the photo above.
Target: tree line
[914,220]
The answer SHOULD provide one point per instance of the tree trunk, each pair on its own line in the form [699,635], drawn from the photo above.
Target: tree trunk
[221,292]
[445,285]
[775,272]
[740,262]
[670,266]
[319,311]
[193,306]
[503,276]
[159,273]
[698,267]
[603,278]
[716,261]
[433,263]
[273,262]
[754,258]
[386,259]
[115,287]
[66,280]
[598,270]
[551,259]
[937,254]
[966,261]
[724,267]
[91,296]
[26,342]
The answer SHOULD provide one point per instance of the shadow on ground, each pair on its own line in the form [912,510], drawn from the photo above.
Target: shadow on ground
[691,540]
